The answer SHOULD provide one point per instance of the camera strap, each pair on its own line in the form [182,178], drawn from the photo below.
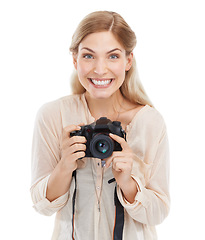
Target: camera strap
[119,218]
[119,212]
[73,204]
[119,215]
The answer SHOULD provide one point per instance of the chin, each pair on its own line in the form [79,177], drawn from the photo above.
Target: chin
[101,95]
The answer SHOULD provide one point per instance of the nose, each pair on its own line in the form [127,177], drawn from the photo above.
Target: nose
[100,67]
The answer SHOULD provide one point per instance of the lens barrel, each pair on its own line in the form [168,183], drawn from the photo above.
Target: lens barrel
[101,146]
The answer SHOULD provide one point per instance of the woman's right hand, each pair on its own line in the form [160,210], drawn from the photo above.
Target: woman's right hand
[72,148]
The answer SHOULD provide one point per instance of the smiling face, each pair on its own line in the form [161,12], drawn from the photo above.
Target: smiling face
[101,64]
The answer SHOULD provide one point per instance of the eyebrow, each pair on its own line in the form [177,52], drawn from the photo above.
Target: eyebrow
[113,50]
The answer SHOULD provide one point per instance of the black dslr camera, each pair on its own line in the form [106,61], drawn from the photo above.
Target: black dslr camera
[99,144]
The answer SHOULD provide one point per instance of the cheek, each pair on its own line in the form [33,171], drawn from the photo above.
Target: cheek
[83,68]
[119,69]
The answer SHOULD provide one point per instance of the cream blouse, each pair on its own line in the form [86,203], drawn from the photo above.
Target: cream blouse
[95,210]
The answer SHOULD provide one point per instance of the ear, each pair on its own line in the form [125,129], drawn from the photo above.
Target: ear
[129,61]
[75,60]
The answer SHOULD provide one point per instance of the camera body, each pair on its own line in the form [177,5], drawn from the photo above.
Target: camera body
[99,144]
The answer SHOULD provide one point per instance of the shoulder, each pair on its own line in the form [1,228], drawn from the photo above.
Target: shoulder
[152,118]
[54,107]
[155,125]
[51,112]
[152,115]
[149,122]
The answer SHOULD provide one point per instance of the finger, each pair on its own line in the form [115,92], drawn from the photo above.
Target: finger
[73,153]
[68,142]
[113,156]
[76,139]
[121,165]
[119,156]
[77,148]
[109,160]
[67,130]
[78,155]
[120,140]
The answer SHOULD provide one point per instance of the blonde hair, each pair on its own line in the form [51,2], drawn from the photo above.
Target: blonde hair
[100,21]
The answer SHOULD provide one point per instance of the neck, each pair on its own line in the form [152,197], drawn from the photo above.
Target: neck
[109,107]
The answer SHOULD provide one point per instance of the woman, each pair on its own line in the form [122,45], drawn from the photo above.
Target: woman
[105,84]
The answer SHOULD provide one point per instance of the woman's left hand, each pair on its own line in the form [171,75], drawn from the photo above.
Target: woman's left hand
[122,162]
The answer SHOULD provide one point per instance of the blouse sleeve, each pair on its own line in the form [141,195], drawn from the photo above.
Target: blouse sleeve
[41,203]
[151,205]
[45,157]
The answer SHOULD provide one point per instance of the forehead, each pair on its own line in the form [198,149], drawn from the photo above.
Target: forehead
[101,41]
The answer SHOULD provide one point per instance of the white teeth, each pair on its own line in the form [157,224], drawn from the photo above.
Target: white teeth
[101,82]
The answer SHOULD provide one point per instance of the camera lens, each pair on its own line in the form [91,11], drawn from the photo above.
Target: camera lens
[101,146]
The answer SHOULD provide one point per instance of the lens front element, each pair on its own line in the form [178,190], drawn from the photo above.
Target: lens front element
[101,146]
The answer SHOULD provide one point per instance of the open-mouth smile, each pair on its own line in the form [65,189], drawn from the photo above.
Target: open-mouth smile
[101,82]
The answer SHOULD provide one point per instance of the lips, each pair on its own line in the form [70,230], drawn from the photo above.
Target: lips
[101,82]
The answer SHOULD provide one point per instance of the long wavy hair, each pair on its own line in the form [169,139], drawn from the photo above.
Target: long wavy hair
[101,21]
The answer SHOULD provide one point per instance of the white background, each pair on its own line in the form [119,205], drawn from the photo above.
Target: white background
[35,67]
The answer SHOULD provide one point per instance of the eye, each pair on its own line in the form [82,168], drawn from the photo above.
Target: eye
[87,56]
[114,56]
